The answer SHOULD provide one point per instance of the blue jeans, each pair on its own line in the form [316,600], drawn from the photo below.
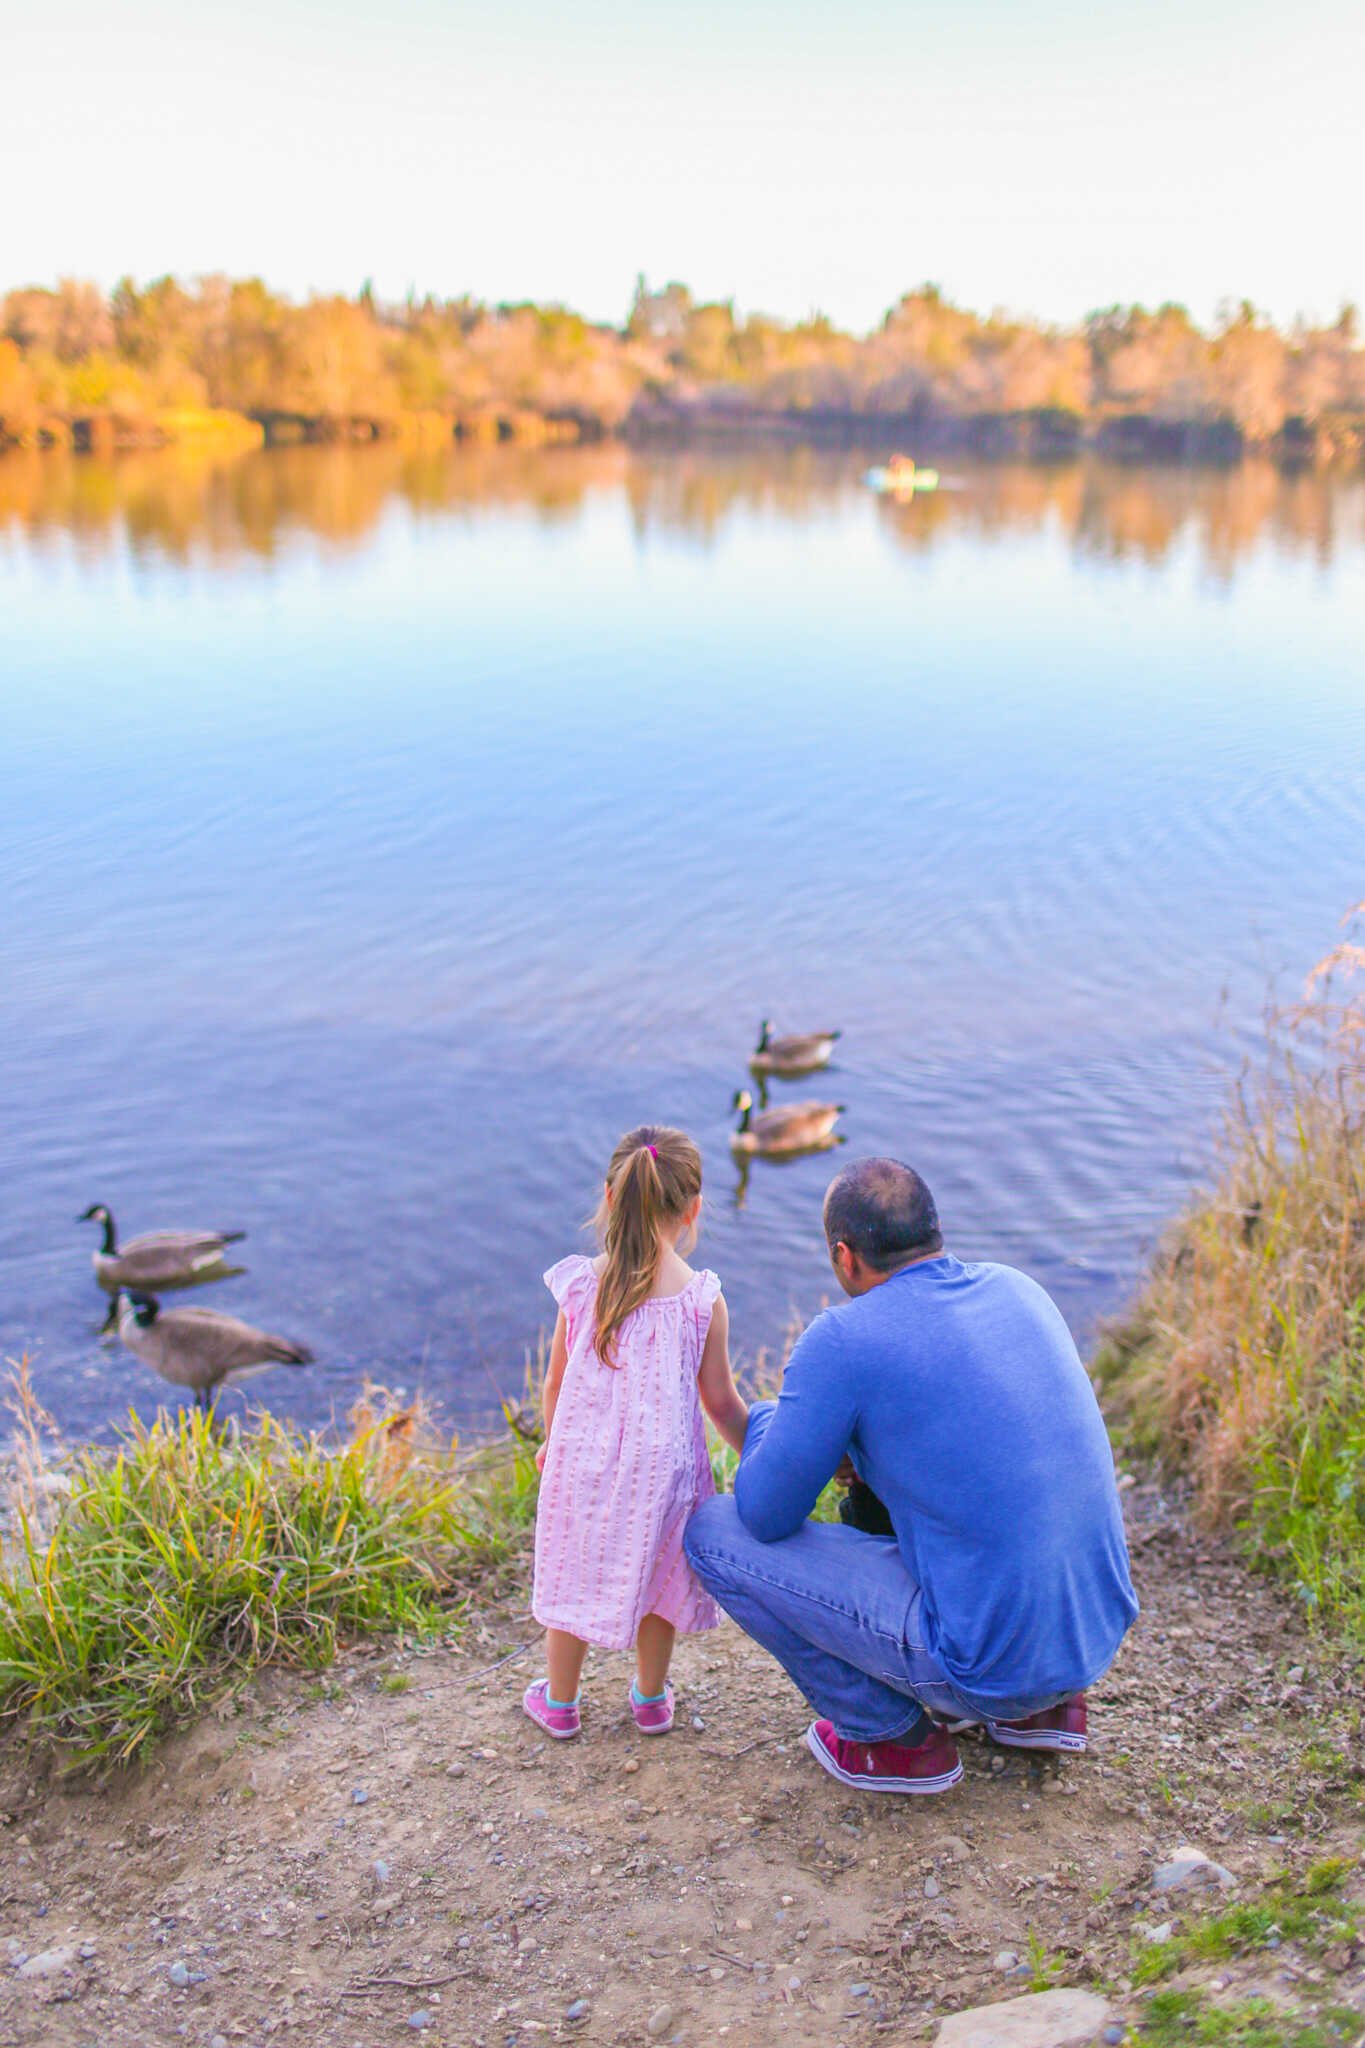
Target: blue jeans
[841,1614]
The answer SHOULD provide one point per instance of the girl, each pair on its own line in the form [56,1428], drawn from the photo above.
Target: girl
[641,1346]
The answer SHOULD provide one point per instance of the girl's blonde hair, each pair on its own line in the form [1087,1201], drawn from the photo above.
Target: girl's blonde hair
[652,1178]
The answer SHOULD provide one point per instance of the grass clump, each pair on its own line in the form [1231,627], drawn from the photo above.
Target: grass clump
[1186,2019]
[1311,1912]
[190,1556]
[1243,1361]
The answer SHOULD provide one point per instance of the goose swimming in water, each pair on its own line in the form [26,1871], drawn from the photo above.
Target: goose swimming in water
[199,1348]
[795,1127]
[801,1052]
[161,1260]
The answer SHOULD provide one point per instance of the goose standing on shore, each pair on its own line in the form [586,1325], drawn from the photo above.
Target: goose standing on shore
[199,1348]
[775,1133]
[802,1052]
[160,1261]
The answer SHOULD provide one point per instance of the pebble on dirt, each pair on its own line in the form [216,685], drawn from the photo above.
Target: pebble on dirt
[1191,1870]
[50,1963]
[659,2022]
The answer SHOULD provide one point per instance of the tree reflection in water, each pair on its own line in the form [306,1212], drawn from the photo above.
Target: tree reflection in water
[204,506]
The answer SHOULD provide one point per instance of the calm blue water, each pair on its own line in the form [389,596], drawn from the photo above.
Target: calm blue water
[380,835]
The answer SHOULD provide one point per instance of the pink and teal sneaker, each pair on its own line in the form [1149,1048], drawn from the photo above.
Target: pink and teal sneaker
[562,1722]
[652,1717]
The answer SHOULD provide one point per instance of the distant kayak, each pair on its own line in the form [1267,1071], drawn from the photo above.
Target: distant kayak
[901,477]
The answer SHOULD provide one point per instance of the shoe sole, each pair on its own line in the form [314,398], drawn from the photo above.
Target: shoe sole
[943,1783]
[1035,1738]
[664,1728]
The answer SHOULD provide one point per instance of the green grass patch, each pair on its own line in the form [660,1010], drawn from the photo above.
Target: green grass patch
[1177,2019]
[188,1557]
[1311,1912]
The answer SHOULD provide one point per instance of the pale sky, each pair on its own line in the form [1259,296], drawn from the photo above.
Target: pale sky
[1045,158]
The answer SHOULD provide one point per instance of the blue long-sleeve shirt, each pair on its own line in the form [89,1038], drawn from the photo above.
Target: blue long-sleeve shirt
[959,1395]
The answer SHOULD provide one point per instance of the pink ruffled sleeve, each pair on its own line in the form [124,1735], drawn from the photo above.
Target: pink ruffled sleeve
[704,1290]
[572,1282]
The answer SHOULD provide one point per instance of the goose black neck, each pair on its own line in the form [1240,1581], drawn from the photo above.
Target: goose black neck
[110,1237]
[744,1116]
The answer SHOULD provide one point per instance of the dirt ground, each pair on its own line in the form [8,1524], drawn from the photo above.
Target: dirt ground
[395,1852]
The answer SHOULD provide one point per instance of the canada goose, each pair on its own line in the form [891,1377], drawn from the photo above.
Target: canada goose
[801,1053]
[199,1348]
[162,1260]
[795,1127]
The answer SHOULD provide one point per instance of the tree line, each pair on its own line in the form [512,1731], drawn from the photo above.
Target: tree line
[156,361]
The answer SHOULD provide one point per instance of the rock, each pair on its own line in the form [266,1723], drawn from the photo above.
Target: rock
[951,1846]
[218,2041]
[49,1963]
[931,1888]
[1113,2036]
[179,1973]
[1005,1961]
[359,1796]
[1161,1933]
[743,1926]
[382,1872]
[1048,2019]
[455,1770]
[578,2010]
[659,2022]
[698,1723]
[1191,1870]
[630,1766]
[1294,1675]
[859,1990]
[632,1809]
[418,2020]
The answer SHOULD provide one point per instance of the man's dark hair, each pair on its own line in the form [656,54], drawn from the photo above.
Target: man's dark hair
[883,1211]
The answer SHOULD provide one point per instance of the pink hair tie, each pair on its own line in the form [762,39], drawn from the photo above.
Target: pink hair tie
[653,1153]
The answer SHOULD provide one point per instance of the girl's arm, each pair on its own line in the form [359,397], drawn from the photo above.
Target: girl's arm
[715,1382]
[554,1377]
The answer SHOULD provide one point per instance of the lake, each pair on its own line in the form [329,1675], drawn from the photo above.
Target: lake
[384,831]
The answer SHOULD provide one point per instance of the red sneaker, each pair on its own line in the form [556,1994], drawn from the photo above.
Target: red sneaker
[929,1766]
[1058,1728]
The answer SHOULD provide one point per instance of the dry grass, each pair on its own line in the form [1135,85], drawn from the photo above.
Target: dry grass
[1244,1358]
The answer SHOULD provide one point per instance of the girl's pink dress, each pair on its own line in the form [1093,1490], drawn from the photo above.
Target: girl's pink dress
[627,1464]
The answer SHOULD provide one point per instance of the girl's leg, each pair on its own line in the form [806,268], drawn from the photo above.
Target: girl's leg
[653,1649]
[564,1658]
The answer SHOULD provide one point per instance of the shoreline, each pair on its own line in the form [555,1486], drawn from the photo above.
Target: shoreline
[1040,437]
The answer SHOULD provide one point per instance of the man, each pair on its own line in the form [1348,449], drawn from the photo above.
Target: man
[957,1394]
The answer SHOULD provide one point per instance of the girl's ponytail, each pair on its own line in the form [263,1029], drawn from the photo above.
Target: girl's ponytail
[654,1174]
